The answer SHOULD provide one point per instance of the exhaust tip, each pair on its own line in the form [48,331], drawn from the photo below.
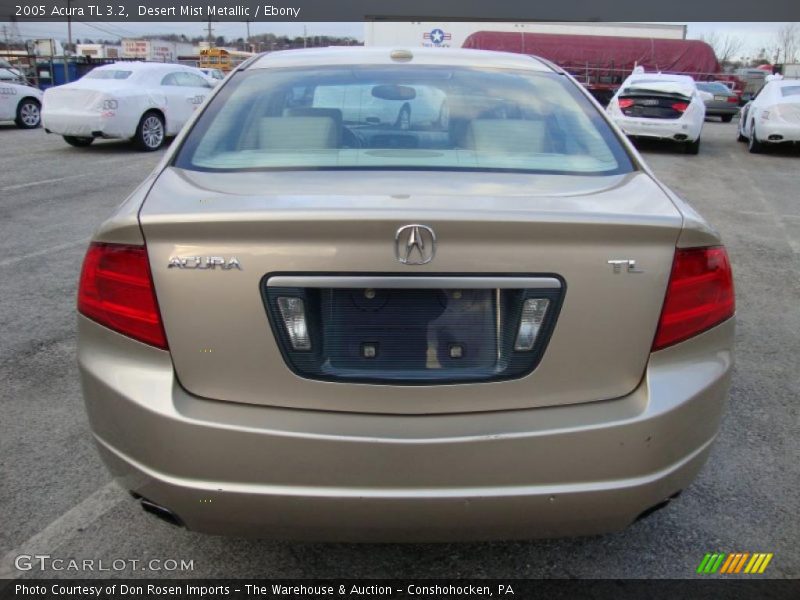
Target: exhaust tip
[159,511]
[775,138]
[680,137]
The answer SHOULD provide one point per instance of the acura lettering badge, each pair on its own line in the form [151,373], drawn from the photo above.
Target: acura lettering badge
[204,262]
[415,244]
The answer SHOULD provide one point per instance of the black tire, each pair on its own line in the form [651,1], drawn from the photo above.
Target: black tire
[404,118]
[150,132]
[29,114]
[726,118]
[78,142]
[739,135]
[692,147]
[753,145]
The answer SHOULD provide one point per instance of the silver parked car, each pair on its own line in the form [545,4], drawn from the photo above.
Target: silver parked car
[316,326]
[720,100]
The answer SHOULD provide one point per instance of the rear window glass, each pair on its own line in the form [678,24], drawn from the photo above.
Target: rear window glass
[402,118]
[790,90]
[107,74]
[716,88]
[660,86]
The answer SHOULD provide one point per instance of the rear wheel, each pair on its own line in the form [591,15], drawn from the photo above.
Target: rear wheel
[150,132]
[692,147]
[726,118]
[754,146]
[78,142]
[29,114]
[740,137]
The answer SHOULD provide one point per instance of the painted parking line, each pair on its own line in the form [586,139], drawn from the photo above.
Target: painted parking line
[63,528]
[17,259]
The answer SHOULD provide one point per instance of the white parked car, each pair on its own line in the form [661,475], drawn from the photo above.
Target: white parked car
[21,104]
[393,106]
[660,106]
[773,116]
[144,102]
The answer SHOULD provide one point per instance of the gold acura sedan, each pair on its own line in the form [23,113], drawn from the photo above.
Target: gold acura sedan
[404,295]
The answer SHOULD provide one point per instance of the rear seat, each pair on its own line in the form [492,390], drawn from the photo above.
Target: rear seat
[298,133]
[506,135]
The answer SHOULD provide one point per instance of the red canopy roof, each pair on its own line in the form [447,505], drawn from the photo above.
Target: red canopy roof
[575,51]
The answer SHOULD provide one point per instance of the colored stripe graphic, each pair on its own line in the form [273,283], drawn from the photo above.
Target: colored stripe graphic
[729,563]
[766,562]
[741,562]
[702,567]
[734,563]
[711,563]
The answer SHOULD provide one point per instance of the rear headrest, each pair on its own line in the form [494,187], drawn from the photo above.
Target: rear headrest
[308,111]
[505,135]
[298,133]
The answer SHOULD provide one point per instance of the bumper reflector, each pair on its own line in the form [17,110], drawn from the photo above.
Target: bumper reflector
[534,311]
[293,314]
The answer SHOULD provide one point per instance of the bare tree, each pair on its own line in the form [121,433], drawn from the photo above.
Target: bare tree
[725,46]
[788,42]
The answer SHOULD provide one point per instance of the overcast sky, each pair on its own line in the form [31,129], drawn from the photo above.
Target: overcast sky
[756,35]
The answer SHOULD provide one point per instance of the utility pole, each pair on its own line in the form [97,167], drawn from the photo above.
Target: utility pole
[249,48]
[305,40]
[210,38]
[69,43]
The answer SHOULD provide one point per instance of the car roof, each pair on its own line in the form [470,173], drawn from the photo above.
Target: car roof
[139,66]
[359,55]
[661,77]
[785,82]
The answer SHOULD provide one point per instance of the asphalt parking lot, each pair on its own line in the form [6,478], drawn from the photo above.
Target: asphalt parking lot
[56,497]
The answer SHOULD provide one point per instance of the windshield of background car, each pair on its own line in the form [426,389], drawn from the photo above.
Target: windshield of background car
[662,86]
[790,90]
[402,117]
[107,74]
[714,88]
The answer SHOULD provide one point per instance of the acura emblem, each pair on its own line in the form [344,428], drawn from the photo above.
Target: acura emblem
[415,244]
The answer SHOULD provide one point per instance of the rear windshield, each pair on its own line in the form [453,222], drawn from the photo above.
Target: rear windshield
[402,117]
[660,86]
[716,88]
[790,90]
[107,74]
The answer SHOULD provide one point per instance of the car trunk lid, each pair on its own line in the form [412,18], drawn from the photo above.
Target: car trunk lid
[228,344]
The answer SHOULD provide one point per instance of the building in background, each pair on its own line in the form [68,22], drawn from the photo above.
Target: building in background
[155,50]
[99,50]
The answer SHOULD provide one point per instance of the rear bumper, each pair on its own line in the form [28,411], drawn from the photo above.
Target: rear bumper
[662,129]
[86,124]
[715,111]
[788,132]
[252,470]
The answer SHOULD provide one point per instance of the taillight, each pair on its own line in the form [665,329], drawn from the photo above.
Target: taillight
[116,290]
[733,100]
[680,106]
[625,102]
[699,295]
